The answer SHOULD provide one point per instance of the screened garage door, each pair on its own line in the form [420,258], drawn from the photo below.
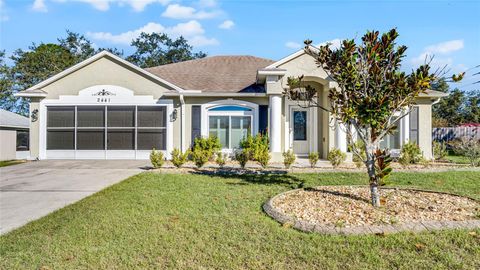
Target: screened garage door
[93,132]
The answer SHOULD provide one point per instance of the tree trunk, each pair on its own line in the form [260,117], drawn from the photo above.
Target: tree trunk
[372,176]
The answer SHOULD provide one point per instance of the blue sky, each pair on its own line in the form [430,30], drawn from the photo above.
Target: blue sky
[272,29]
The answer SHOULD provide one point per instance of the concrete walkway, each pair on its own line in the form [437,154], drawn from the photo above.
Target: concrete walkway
[34,189]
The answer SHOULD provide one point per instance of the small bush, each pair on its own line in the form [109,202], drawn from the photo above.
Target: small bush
[221,159]
[410,154]
[209,144]
[179,158]
[439,150]
[257,147]
[242,157]
[200,156]
[470,148]
[288,158]
[336,157]
[313,158]
[358,160]
[156,158]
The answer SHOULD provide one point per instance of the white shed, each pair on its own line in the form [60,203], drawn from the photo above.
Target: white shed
[14,136]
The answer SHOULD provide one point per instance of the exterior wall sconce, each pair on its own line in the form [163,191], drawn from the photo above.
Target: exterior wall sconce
[34,115]
[174,115]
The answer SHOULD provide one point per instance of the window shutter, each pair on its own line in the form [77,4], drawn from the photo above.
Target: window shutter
[263,119]
[196,122]
[414,125]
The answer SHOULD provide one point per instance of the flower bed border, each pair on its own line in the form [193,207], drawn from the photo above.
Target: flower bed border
[306,226]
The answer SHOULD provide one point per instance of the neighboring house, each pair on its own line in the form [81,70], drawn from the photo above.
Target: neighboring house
[13,136]
[108,108]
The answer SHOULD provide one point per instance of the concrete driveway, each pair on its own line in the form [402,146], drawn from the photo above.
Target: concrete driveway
[31,190]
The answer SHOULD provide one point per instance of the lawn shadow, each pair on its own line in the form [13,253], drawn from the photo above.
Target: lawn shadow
[271,177]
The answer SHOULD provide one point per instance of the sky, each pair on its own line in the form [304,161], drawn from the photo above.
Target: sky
[449,30]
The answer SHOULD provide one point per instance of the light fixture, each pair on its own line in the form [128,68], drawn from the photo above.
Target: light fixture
[34,115]
[174,115]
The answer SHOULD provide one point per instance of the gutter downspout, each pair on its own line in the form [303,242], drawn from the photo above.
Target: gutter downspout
[182,123]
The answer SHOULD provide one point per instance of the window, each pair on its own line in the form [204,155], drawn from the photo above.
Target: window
[152,128]
[61,128]
[299,125]
[392,140]
[230,124]
[106,127]
[90,127]
[23,140]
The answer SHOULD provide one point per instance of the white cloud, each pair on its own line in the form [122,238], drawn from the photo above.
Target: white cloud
[176,11]
[3,14]
[192,31]
[439,52]
[228,24]
[293,45]
[39,5]
[207,3]
[104,5]
[334,43]
[445,47]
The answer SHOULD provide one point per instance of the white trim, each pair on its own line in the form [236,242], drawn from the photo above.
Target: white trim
[101,154]
[95,58]
[286,59]
[216,94]
[26,94]
[228,102]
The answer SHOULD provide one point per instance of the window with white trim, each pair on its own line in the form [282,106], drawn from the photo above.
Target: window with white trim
[230,124]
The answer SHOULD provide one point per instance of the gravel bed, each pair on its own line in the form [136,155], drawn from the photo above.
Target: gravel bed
[349,206]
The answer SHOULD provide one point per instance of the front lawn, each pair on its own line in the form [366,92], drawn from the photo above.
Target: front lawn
[5,163]
[196,221]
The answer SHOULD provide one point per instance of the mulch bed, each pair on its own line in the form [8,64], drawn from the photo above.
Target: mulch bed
[349,206]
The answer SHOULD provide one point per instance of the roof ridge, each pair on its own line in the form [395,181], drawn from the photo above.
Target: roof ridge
[210,57]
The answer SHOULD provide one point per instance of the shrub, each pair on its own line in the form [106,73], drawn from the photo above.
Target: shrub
[410,154]
[288,158]
[179,158]
[470,148]
[242,157]
[439,150]
[336,157]
[313,158]
[209,144]
[360,146]
[257,147]
[200,156]
[156,158]
[221,159]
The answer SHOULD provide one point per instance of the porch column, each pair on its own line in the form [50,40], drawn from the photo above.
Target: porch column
[275,123]
[340,137]
[404,129]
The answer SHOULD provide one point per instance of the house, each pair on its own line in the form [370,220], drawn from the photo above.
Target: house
[108,108]
[14,136]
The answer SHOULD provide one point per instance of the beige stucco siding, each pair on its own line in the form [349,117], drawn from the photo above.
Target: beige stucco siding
[425,127]
[8,144]
[34,130]
[105,71]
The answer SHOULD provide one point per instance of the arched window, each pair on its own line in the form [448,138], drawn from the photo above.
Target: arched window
[230,123]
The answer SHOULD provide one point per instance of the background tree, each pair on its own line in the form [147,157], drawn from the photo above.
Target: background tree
[371,89]
[7,100]
[158,49]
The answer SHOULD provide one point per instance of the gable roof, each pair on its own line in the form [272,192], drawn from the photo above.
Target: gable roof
[13,120]
[35,91]
[234,74]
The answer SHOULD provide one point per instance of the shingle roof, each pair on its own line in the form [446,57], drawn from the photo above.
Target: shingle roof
[215,74]
[9,119]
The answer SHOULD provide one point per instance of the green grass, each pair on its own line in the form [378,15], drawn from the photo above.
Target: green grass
[203,222]
[457,159]
[5,163]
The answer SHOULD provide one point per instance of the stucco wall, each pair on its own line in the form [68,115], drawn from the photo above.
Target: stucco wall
[425,127]
[105,71]
[34,130]
[8,144]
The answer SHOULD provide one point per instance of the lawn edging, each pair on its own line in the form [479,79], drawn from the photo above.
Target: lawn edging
[305,226]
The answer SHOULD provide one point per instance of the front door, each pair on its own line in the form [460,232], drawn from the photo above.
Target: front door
[299,131]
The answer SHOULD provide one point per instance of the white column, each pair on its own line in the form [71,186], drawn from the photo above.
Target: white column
[340,137]
[404,129]
[275,123]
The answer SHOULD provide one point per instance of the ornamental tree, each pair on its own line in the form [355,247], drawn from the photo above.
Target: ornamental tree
[371,91]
